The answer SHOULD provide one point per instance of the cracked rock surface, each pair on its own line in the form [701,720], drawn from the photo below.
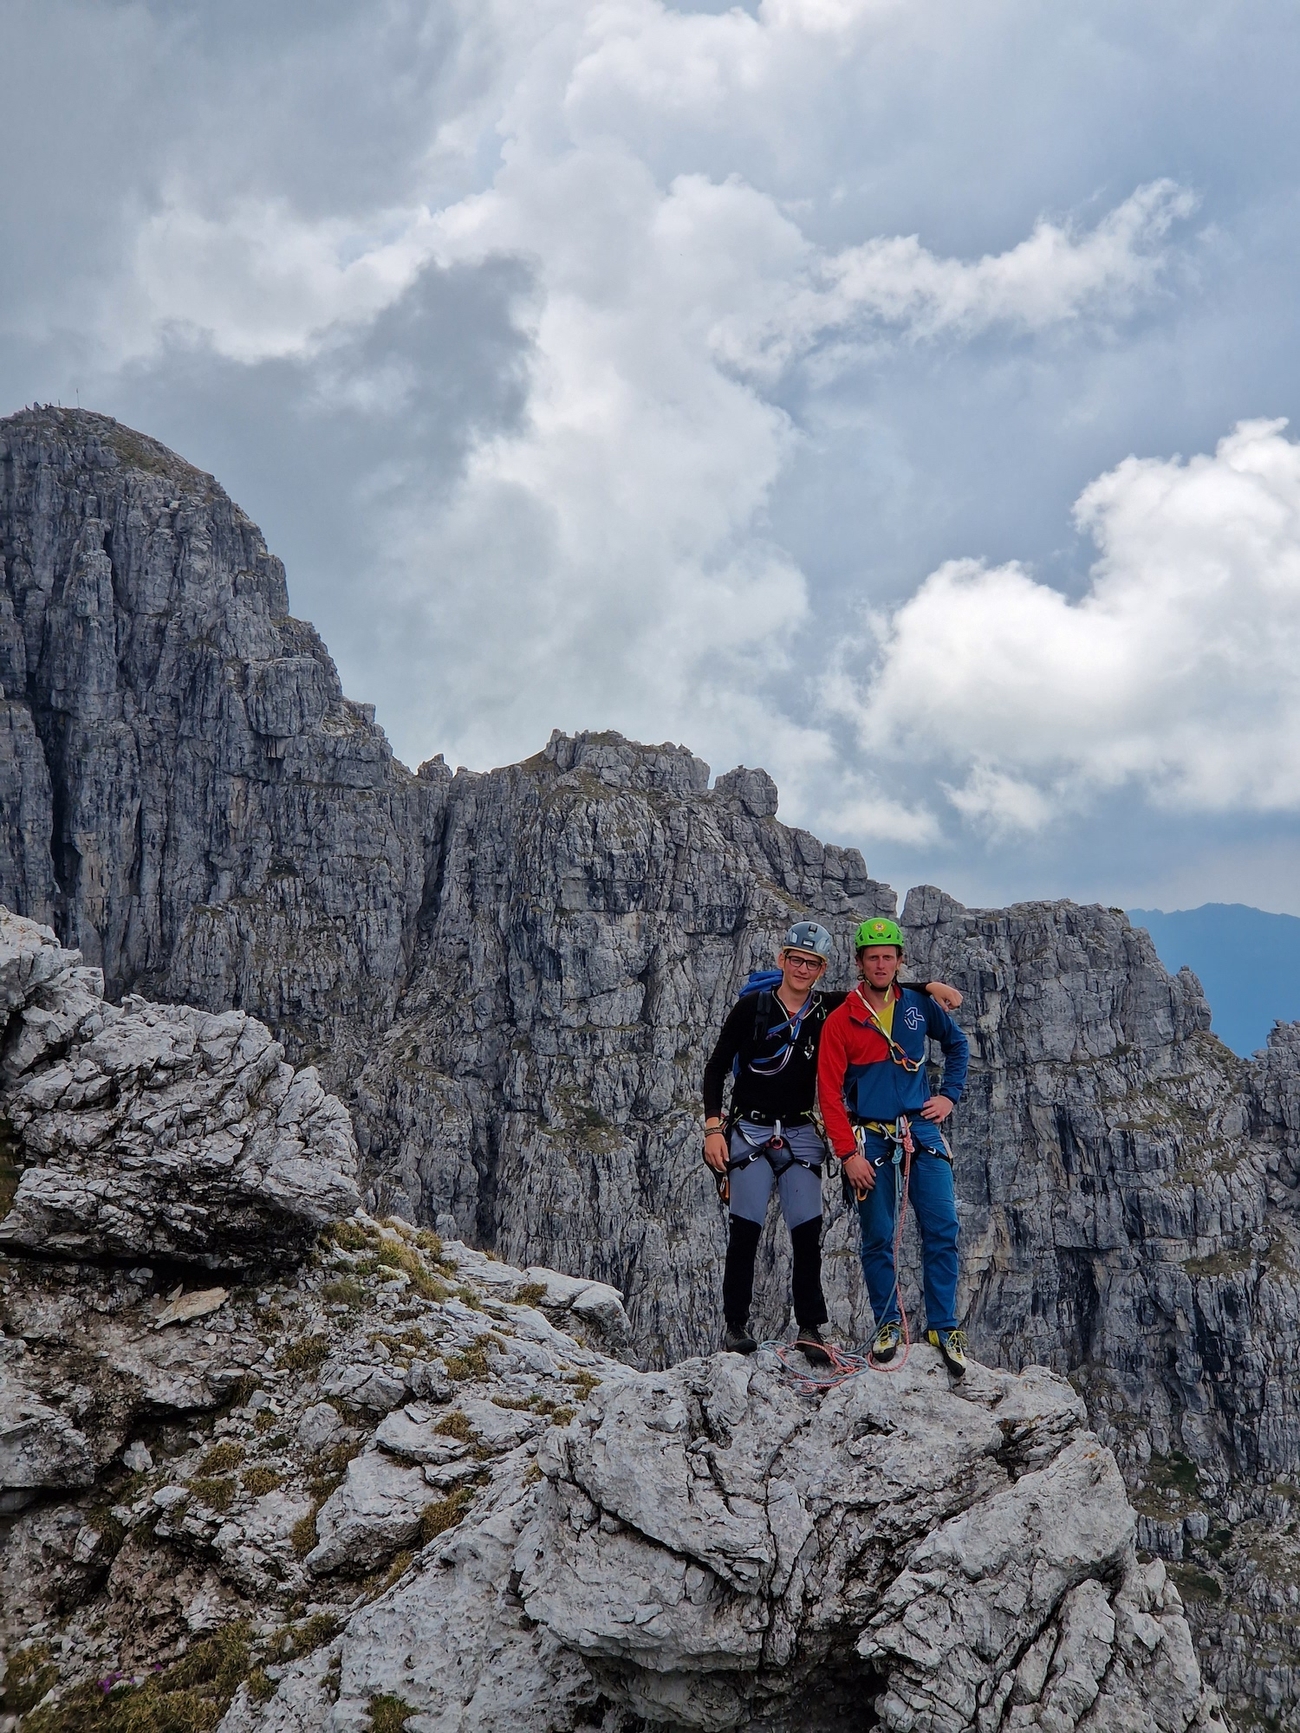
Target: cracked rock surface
[705,1548]
[383,1479]
[157,1131]
[187,1498]
[511,978]
[1130,1195]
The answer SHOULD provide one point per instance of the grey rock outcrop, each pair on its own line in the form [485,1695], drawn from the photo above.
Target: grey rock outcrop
[504,1527]
[39,1446]
[150,1131]
[704,1549]
[162,1482]
[596,911]
[552,1540]
[511,978]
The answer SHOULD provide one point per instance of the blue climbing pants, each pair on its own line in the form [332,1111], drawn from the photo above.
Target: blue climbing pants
[933,1202]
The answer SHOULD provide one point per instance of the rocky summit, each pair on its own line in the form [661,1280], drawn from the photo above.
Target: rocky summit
[284,1478]
[482,1004]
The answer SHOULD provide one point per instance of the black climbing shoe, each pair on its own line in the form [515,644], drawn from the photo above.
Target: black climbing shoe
[885,1345]
[810,1341]
[952,1345]
[739,1342]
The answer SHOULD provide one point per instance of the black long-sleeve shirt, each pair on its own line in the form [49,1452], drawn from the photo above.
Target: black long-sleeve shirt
[746,1034]
[756,1028]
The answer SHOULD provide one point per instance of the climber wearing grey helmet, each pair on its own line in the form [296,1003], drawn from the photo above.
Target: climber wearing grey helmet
[770,1138]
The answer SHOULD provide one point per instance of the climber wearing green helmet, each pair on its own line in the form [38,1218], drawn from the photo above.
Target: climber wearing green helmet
[770,1139]
[871,1073]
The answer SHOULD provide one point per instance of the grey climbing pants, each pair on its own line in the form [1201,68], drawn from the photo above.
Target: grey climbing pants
[751,1186]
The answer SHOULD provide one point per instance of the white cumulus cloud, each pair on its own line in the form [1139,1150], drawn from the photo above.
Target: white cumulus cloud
[1055,275]
[1178,670]
[621,527]
[257,280]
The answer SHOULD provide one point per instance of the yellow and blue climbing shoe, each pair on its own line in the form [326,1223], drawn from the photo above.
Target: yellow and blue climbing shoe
[953,1346]
[885,1345]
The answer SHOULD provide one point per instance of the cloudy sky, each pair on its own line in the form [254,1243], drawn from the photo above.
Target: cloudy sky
[890,392]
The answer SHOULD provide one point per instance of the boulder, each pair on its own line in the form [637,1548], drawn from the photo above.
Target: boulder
[709,1549]
[39,1447]
[376,1510]
[159,1131]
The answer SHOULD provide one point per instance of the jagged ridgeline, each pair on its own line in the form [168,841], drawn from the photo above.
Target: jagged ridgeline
[512,980]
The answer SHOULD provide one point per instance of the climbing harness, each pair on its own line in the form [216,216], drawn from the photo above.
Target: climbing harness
[771,1148]
[843,1364]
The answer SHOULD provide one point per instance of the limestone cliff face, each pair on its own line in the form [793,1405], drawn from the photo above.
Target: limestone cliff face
[512,980]
[186,793]
[595,911]
[530,965]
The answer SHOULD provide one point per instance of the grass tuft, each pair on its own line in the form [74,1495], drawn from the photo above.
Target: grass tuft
[444,1514]
[389,1714]
[261,1687]
[303,1639]
[303,1536]
[304,1355]
[29,1677]
[217,1494]
[472,1363]
[190,1696]
[350,1236]
[257,1482]
[222,1457]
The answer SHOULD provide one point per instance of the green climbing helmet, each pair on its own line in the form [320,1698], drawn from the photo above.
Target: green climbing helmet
[878,931]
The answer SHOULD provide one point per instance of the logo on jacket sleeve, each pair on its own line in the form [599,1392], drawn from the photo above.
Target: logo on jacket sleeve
[914,1017]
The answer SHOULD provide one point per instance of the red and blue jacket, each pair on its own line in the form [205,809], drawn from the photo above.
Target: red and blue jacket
[857,1073]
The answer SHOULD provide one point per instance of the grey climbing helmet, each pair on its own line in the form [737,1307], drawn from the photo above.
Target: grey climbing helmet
[808,936]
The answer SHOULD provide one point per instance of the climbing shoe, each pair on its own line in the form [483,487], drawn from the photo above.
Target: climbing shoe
[952,1345]
[885,1346]
[739,1341]
[810,1341]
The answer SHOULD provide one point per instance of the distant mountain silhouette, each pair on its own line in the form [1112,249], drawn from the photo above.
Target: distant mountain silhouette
[1247,961]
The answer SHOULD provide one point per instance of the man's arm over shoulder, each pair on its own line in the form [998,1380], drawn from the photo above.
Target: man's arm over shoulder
[956,1049]
[832,1062]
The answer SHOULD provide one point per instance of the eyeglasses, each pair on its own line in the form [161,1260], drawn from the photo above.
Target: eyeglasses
[793,960]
